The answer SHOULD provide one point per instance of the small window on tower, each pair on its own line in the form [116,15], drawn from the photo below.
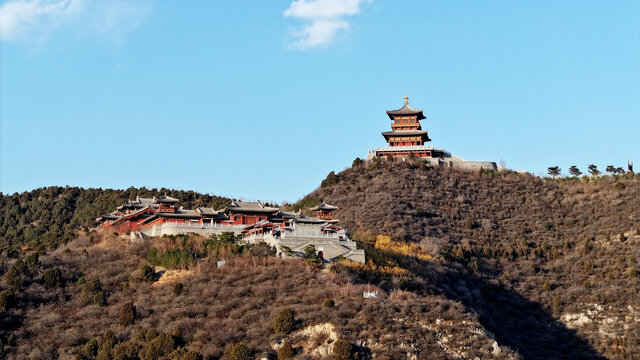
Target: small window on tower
[405,121]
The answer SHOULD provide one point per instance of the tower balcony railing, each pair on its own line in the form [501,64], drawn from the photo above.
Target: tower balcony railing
[406,148]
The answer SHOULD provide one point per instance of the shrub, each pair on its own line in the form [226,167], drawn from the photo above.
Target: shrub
[328,303]
[285,351]
[283,322]
[52,277]
[342,350]
[13,278]
[177,289]
[153,256]
[262,249]
[127,350]
[147,273]
[90,289]
[287,250]
[127,315]
[310,254]
[556,304]
[183,354]
[11,340]
[151,334]
[107,341]
[90,350]
[81,281]
[176,259]
[104,355]
[473,266]
[331,179]
[7,299]
[160,346]
[236,352]
[32,261]
[100,299]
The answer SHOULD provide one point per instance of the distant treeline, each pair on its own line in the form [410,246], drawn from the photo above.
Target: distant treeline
[49,216]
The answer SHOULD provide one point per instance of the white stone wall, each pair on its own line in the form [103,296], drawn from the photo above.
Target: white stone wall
[331,247]
[175,229]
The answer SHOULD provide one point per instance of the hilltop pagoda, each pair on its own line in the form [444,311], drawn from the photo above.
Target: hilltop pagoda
[407,139]
[406,136]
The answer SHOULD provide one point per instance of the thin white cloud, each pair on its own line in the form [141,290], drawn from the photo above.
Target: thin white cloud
[36,20]
[324,20]
[20,17]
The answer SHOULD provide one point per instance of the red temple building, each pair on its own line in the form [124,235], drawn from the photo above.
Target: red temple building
[145,213]
[257,222]
[324,211]
[247,213]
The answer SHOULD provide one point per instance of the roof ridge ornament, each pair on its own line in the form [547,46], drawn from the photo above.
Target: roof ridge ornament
[406,99]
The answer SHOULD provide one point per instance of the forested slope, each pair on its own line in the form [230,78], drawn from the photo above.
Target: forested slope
[50,216]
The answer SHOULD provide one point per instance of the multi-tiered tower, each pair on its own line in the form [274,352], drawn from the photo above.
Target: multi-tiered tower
[407,139]
[406,136]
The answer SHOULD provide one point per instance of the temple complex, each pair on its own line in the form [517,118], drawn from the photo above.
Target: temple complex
[408,139]
[287,232]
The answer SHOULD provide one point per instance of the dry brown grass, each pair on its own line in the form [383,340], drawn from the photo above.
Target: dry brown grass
[218,306]
[515,230]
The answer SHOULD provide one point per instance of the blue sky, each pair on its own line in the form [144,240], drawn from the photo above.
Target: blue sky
[261,99]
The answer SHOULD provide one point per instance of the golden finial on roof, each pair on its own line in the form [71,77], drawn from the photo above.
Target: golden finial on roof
[406,99]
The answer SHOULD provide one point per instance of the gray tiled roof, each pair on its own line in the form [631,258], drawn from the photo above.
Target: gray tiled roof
[110,216]
[210,212]
[250,206]
[324,206]
[308,220]
[261,223]
[406,110]
[181,213]
[146,201]
[167,200]
[288,215]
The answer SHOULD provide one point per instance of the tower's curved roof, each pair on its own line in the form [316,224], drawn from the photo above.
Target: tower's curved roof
[406,110]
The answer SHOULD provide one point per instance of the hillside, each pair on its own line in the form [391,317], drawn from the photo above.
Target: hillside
[467,265]
[218,307]
[520,251]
